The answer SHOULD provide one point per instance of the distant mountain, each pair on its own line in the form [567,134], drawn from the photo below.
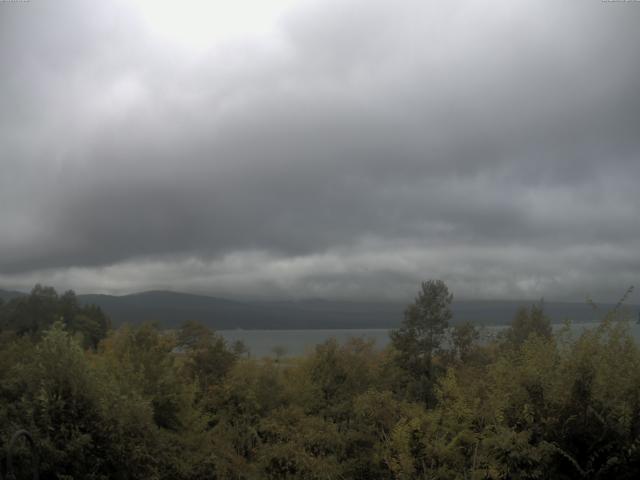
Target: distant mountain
[171,308]
[9,294]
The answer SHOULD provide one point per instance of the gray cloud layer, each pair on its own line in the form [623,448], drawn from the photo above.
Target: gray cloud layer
[360,148]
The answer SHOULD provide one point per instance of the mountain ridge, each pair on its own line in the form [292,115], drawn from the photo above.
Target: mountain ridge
[170,308]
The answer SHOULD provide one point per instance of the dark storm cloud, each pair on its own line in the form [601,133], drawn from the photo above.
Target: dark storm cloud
[363,147]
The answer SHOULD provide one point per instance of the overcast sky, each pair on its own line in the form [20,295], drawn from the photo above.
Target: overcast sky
[335,149]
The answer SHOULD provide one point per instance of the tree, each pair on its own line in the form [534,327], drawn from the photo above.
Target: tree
[528,322]
[463,338]
[421,333]
[32,314]
[143,356]
[279,351]
[207,357]
[240,348]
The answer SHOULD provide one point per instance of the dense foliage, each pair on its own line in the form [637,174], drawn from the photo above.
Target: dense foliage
[143,403]
[32,314]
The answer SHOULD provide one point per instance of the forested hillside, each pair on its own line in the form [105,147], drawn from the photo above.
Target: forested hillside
[138,402]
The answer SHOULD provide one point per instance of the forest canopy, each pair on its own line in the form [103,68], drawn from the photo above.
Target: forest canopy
[140,402]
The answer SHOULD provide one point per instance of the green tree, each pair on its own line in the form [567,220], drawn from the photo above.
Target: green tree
[421,333]
[207,357]
[528,321]
[86,425]
[32,314]
[193,335]
[279,352]
[143,356]
[240,348]
[463,339]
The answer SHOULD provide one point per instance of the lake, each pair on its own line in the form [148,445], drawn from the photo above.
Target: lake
[298,342]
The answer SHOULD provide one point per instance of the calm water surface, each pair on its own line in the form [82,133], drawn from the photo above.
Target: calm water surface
[261,343]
